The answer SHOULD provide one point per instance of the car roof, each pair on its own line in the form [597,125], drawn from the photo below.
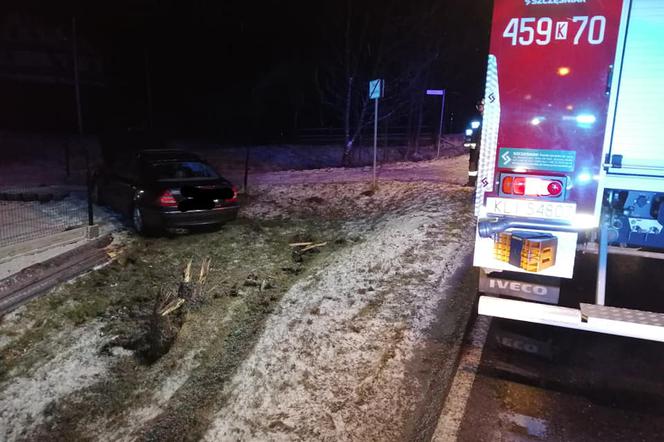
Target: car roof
[158,155]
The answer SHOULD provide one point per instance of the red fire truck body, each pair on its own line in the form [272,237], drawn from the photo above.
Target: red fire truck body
[570,157]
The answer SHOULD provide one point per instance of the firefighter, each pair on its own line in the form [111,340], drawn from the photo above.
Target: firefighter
[472,141]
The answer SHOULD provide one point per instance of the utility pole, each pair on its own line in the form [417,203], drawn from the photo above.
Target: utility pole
[77,85]
[246,169]
[77,94]
[148,86]
[79,117]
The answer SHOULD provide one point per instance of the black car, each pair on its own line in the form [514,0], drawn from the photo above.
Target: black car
[166,189]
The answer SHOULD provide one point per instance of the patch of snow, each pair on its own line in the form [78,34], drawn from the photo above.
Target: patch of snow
[441,171]
[138,417]
[77,365]
[331,363]
[120,352]
[347,193]
[13,325]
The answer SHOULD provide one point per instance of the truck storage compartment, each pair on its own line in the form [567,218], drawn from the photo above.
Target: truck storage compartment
[636,218]
[637,146]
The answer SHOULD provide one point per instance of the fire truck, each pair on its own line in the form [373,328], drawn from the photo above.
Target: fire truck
[572,158]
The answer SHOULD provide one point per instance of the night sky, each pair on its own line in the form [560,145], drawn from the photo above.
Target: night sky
[240,71]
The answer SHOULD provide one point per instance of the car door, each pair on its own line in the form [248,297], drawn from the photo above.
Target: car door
[121,185]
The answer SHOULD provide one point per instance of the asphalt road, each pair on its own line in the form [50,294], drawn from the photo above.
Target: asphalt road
[590,386]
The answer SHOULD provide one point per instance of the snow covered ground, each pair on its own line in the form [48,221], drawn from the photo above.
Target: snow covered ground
[335,351]
[25,398]
[331,364]
[448,170]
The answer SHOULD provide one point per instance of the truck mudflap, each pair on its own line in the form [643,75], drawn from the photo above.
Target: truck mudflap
[589,317]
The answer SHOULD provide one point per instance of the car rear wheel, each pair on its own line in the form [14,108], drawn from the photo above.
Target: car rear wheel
[137,220]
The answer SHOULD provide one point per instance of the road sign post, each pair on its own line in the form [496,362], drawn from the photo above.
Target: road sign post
[376,91]
[440,92]
[375,149]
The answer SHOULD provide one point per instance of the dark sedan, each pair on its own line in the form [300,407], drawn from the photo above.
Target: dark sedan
[166,189]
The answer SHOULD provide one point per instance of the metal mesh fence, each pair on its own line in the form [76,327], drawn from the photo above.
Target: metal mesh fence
[28,213]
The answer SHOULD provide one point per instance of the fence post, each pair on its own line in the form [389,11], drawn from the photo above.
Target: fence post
[246,170]
[88,181]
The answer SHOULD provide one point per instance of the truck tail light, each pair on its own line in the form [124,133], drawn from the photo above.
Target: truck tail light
[167,199]
[555,188]
[507,185]
[531,186]
[519,186]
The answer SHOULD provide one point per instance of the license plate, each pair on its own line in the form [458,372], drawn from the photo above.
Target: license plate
[531,209]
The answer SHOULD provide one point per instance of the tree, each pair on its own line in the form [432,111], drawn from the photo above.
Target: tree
[375,40]
[409,44]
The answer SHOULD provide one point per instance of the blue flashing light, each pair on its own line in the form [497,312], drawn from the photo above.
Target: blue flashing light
[586,119]
[475,124]
[584,178]
[469,132]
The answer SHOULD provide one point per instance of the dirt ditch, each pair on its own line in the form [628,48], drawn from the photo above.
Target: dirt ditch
[315,304]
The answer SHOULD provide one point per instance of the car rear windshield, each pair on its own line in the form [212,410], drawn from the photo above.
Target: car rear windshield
[181,170]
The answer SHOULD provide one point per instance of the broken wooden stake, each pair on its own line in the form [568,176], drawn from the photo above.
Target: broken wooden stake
[313,246]
[205,269]
[170,310]
[172,307]
[187,271]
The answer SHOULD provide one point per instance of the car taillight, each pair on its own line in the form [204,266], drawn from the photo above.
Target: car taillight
[234,199]
[531,186]
[167,199]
